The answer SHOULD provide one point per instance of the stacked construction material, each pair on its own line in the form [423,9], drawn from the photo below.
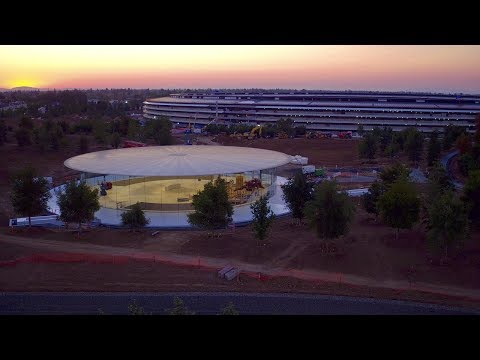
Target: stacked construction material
[229,272]
[299,160]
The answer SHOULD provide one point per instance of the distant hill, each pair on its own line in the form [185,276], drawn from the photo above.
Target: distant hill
[24,88]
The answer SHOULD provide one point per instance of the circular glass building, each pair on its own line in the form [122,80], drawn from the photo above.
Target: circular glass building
[163,179]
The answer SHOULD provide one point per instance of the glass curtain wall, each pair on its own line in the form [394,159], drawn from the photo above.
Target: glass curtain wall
[156,193]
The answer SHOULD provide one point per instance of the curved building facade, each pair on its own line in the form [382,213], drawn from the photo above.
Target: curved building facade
[319,110]
[164,179]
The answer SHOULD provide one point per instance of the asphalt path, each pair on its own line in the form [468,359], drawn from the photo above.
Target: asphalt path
[445,161]
[83,303]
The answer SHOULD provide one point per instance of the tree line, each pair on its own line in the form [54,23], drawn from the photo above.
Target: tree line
[469,149]
[108,102]
[384,141]
[51,135]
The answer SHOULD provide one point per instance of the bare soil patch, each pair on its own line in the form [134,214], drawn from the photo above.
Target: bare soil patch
[370,249]
[140,276]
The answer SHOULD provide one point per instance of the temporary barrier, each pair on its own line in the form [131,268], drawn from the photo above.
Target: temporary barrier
[124,259]
[35,220]
[190,262]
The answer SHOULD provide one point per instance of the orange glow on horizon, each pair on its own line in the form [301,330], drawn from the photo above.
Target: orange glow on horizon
[424,68]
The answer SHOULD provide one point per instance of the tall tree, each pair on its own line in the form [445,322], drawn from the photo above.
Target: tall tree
[300,130]
[133,130]
[100,132]
[464,144]
[368,146]
[447,222]
[392,149]
[398,140]
[400,206]
[83,144]
[476,137]
[40,138]
[164,135]
[270,130]
[55,137]
[370,199]
[471,195]
[330,212]
[3,132]
[159,130]
[23,137]
[115,140]
[467,163]
[263,217]
[29,193]
[451,134]
[26,123]
[386,136]
[135,217]
[438,182]
[434,148]
[285,125]
[414,144]
[360,130]
[78,203]
[212,207]
[296,193]
[393,173]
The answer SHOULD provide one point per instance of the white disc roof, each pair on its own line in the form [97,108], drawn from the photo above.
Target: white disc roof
[177,160]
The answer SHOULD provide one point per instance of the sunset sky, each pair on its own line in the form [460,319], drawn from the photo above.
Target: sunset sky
[356,67]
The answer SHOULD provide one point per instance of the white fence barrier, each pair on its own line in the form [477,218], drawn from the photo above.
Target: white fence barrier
[36,220]
[357,192]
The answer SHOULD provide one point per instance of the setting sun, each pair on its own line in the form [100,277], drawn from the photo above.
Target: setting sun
[23,82]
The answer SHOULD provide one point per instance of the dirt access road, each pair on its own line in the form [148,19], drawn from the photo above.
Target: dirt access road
[11,281]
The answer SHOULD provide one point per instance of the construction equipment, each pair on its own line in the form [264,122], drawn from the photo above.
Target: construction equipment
[320,172]
[256,131]
[322,136]
[345,135]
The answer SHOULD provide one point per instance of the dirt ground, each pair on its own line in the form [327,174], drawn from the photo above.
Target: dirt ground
[155,277]
[320,152]
[324,152]
[370,249]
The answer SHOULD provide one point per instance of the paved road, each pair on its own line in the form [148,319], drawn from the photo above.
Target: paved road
[211,303]
[445,161]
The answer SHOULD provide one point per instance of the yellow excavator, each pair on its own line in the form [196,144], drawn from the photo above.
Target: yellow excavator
[256,132]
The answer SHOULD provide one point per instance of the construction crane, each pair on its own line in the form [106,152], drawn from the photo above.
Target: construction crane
[216,114]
